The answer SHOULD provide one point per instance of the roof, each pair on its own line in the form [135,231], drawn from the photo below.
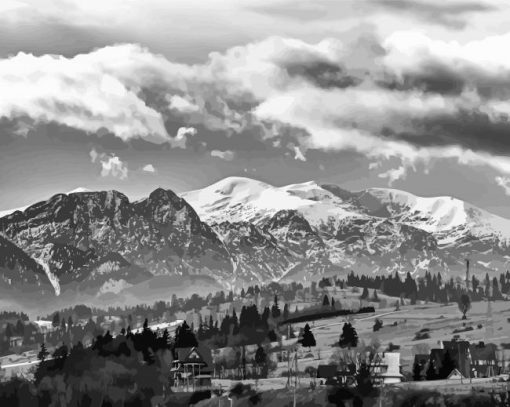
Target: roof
[326,371]
[196,354]
[455,374]
[485,352]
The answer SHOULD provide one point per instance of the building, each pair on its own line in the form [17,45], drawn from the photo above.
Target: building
[386,368]
[192,368]
[327,374]
[15,341]
[459,351]
[421,363]
[483,360]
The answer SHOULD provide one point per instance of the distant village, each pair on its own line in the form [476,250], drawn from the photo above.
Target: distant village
[266,332]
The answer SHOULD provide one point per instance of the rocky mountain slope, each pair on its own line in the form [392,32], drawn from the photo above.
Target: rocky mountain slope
[240,231]
[374,230]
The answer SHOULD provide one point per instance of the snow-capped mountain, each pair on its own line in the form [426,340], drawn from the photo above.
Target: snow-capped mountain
[241,231]
[377,229]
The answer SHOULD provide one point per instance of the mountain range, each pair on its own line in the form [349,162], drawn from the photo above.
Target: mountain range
[100,247]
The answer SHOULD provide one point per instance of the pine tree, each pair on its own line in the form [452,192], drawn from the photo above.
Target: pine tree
[56,320]
[349,336]
[308,339]
[285,312]
[325,301]
[43,353]
[364,294]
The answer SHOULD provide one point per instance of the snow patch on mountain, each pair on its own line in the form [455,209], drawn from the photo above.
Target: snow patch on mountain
[239,199]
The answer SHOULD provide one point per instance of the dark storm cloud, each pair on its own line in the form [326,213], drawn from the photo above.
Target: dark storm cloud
[447,13]
[323,74]
[440,77]
[470,129]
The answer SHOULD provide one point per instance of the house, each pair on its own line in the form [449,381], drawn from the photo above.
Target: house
[385,368]
[15,341]
[483,360]
[455,375]
[192,368]
[460,353]
[328,373]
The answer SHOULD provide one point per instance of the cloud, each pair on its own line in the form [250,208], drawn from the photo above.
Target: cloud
[503,182]
[451,13]
[149,168]
[111,165]
[182,104]
[84,92]
[361,94]
[224,155]
[298,155]
[179,141]
[394,174]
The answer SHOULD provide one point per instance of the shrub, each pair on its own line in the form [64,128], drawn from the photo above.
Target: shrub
[421,335]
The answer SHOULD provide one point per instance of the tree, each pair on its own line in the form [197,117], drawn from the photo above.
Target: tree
[325,301]
[464,304]
[43,353]
[56,320]
[364,380]
[63,324]
[364,294]
[261,361]
[375,297]
[184,337]
[332,302]
[308,340]
[285,312]
[377,325]
[349,336]
[275,309]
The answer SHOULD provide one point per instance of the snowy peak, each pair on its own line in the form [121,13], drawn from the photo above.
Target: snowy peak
[443,215]
[237,199]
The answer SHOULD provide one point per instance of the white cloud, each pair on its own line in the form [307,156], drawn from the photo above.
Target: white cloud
[149,168]
[503,182]
[298,155]
[111,165]
[394,174]
[182,104]
[181,138]
[253,86]
[224,155]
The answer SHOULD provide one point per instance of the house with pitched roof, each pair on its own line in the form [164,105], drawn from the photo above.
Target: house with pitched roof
[192,368]
[484,362]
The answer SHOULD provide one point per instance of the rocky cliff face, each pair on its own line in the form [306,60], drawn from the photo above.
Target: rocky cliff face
[241,231]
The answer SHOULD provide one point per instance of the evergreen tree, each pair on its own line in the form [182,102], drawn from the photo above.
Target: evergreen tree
[261,361]
[375,297]
[43,353]
[325,301]
[364,294]
[332,302]
[364,380]
[63,324]
[56,320]
[285,312]
[349,336]
[275,310]
[184,337]
[308,340]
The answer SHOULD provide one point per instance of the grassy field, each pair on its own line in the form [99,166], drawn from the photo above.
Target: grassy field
[400,327]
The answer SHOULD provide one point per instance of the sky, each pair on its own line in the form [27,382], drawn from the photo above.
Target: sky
[138,94]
